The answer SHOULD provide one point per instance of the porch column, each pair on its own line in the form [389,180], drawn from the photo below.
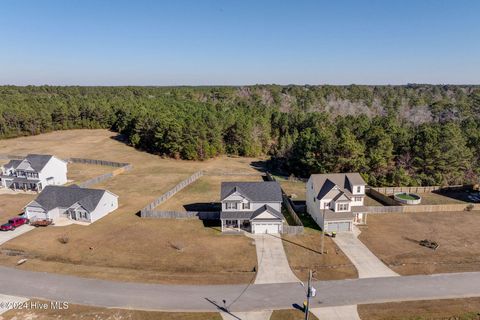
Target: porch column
[238,225]
[221,222]
[365,219]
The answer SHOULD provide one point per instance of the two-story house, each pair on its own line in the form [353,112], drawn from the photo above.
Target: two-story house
[335,201]
[71,202]
[251,206]
[34,172]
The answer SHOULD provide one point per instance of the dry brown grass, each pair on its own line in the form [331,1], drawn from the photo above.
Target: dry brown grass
[435,198]
[126,247]
[78,312]
[303,253]
[464,309]
[290,314]
[11,205]
[203,191]
[393,238]
[79,172]
[295,189]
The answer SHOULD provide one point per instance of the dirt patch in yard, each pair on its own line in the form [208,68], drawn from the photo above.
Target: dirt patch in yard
[303,253]
[465,309]
[122,246]
[76,311]
[394,239]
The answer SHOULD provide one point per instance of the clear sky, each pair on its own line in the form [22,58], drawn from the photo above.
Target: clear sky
[238,42]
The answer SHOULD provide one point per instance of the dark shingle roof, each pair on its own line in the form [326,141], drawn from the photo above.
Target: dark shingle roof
[263,191]
[323,183]
[250,214]
[269,209]
[38,161]
[60,196]
[12,163]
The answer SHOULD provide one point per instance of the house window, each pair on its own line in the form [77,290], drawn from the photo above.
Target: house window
[359,189]
[246,205]
[358,199]
[231,205]
[342,207]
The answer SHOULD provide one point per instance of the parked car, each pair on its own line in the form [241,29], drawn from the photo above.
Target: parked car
[13,223]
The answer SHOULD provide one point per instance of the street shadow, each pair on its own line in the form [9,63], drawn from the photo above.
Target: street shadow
[222,308]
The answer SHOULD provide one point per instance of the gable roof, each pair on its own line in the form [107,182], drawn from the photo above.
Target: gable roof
[259,191]
[12,163]
[268,209]
[250,215]
[34,161]
[38,161]
[65,196]
[323,184]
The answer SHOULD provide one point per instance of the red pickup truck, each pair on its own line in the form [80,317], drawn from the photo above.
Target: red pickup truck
[13,223]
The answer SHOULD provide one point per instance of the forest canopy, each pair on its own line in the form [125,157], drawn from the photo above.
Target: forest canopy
[393,135]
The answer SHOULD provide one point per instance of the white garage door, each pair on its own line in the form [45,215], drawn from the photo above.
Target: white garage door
[266,228]
[339,227]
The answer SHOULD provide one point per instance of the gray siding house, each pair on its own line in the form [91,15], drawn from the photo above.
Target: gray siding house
[251,206]
[34,172]
[337,197]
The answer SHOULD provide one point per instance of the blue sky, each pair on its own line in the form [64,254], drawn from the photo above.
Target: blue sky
[238,42]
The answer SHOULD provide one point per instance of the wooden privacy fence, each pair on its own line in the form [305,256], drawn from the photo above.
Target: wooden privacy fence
[425,189]
[121,168]
[10,157]
[423,208]
[292,229]
[99,162]
[147,211]
[202,215]
[289,206]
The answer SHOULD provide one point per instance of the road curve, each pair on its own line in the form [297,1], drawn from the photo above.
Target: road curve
[103,293]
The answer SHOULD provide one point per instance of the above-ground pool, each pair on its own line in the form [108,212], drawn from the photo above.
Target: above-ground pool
[407,198]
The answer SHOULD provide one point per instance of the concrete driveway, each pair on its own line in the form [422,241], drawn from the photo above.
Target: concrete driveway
[9,235]
[272,261]
[252,315]
[367,264]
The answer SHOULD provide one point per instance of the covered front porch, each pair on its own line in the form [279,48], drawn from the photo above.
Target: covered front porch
[236,225]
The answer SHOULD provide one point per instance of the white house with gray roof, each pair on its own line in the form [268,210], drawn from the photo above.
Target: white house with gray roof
[34,172]
[251,206]
[337,197]
[72,202]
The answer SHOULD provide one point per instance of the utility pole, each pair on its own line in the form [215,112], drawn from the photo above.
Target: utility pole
[323,229]
[309,293]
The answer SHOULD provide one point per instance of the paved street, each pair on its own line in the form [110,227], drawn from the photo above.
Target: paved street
[238,297]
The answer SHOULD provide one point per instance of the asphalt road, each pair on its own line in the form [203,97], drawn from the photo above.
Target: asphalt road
[238,297]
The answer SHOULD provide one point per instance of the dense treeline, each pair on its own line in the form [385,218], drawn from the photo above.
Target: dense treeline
[394,135]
